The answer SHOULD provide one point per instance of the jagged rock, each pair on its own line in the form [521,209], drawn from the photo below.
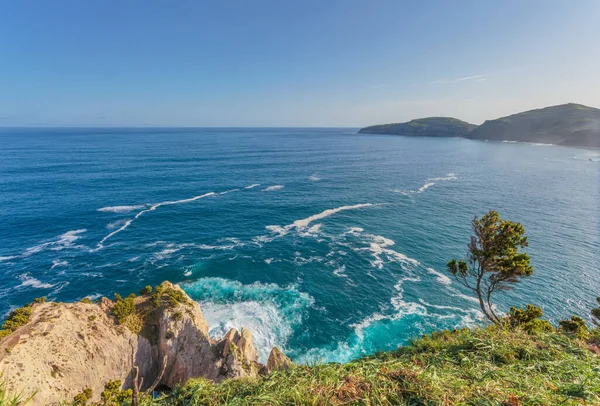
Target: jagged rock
[246,346]
[277,361]
[239,355]
[66,348]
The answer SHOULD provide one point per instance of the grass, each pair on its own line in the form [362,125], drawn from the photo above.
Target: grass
[8,399]
[490,366]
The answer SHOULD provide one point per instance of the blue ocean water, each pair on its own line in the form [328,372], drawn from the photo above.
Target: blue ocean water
[324,242]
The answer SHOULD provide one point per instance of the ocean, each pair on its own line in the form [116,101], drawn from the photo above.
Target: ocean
[324,242]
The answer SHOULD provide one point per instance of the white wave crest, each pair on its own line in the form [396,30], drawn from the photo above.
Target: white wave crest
[63,241]
[7,258]
[441,278]
[252,186]
[152,208]
[121,209]
[379,249]
[314,177]
[304,223]
[428,183]
[58,263]
[273,188]
[229,191]
[28,281]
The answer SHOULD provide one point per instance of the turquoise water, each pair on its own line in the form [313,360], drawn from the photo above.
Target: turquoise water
[326,243]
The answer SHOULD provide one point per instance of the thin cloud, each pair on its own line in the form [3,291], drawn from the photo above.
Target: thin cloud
[477,78]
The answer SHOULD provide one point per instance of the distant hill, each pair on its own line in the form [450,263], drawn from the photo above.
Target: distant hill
[424,127]
[567,124]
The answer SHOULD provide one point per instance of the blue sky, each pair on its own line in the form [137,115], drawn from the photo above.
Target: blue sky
[291,63]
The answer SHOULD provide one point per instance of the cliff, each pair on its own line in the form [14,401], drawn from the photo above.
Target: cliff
[424,127]
[66,348]
[567,124]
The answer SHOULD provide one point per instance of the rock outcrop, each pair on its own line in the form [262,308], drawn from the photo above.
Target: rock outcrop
[277,361]
[66,348]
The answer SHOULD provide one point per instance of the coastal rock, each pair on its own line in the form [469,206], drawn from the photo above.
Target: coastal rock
[239,355]
[68,347]
[277,361]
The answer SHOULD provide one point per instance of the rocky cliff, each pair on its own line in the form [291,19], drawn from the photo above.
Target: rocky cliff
[162,336]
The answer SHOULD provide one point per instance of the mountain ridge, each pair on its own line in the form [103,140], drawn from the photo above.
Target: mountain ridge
[568,124]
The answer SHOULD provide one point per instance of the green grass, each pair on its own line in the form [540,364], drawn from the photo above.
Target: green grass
[488,366]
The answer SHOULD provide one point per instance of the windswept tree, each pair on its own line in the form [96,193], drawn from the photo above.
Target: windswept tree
[494,261]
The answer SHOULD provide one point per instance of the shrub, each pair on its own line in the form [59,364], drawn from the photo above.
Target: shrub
[39,299]
[17,318]
[112,393]
[146,290]
[177,316]
[86,300]
[82,398]
[528,319]
[123,308]
[170,334]
[92,317]
[575,326]
[168,297]
[118,297]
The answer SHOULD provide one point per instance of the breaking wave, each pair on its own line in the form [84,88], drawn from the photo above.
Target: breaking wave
[273,188]
[121,209]
[303,223]
[270,311]
[428,183]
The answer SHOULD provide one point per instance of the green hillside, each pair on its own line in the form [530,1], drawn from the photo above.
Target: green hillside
[424,127]
[567,124]
[491,366]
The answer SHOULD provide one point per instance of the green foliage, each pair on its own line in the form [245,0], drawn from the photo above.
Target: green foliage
[39,299]
[529,319]
[86,300]
[123,308]
[491,366]
[16,319]
[168,297]
[147,290]
[177,316]
[113,395]
[82,398]
[92,317]
[575,326]
[494,261]
[169,335]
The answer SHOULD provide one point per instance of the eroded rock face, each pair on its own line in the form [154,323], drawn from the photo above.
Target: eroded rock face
[66,348]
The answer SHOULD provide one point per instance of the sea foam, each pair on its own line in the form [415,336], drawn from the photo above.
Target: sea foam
[121,209]
[273,188]
[270,311]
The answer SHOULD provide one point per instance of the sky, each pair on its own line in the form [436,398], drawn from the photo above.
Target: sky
[260,63]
